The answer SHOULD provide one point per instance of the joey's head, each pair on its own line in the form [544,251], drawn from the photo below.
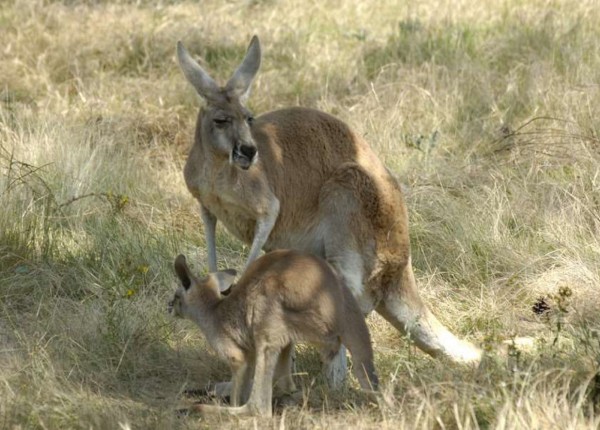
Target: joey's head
[225,123]
[197,295]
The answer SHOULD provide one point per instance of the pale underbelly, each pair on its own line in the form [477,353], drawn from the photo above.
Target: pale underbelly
[310,241]
[243,227]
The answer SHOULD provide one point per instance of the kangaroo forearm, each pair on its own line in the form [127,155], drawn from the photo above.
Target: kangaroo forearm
[264,226]
[210,226]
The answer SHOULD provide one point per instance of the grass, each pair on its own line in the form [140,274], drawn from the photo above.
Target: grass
[489,113]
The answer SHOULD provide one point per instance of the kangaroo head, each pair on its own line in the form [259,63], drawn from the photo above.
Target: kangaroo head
[225,122]
[195,294]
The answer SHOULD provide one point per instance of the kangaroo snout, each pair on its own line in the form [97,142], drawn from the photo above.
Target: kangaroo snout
[244,155]
[248,151]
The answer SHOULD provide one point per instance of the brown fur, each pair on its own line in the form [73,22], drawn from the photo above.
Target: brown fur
[316,186]
[283,298]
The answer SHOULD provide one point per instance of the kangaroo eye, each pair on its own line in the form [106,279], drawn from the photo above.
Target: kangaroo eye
[221,122]
[250,120]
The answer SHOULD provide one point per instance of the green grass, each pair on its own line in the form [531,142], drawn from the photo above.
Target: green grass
[489,113]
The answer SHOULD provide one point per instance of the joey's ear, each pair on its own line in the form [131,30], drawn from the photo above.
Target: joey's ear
[202,82]
[241,80]
[183,271]
[225,278]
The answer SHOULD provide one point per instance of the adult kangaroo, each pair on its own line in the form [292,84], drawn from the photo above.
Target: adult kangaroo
[300,178]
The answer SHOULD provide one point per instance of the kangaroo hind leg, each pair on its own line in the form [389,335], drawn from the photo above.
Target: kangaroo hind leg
[357,339]
[344,250]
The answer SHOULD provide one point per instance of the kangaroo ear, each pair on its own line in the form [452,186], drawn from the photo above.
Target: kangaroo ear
[183,271]
[225,279]
[202,82]
[240,82]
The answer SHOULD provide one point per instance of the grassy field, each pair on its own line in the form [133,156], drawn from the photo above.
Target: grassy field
[488,112]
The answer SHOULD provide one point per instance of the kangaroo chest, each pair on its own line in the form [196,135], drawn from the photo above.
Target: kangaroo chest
[239,199]
[229,198]
[235,219]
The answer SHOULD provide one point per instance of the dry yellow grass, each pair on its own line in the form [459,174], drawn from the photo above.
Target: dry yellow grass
[489,112]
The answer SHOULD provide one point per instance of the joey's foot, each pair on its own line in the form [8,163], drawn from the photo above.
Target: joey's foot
[197,392]
[202,408]
[246,410]
[288,399]
[219,391]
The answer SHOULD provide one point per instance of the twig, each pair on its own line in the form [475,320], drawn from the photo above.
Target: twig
[84,196]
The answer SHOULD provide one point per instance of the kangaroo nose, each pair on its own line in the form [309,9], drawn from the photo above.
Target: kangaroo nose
[248,151]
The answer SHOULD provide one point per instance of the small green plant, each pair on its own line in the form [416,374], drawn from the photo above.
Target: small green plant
[553,310]
[423,143]
[514,355]
[118,202]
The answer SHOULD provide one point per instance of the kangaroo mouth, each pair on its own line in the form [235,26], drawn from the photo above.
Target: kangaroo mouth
[240,160]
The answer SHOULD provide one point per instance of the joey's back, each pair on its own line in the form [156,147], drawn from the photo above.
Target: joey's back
[284,294]
[288,289]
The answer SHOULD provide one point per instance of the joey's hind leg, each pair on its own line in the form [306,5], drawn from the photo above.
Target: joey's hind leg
[284,381]
[336,368]
[335,362]
[238,379]
[236,390]
[248,378]
[261,394]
